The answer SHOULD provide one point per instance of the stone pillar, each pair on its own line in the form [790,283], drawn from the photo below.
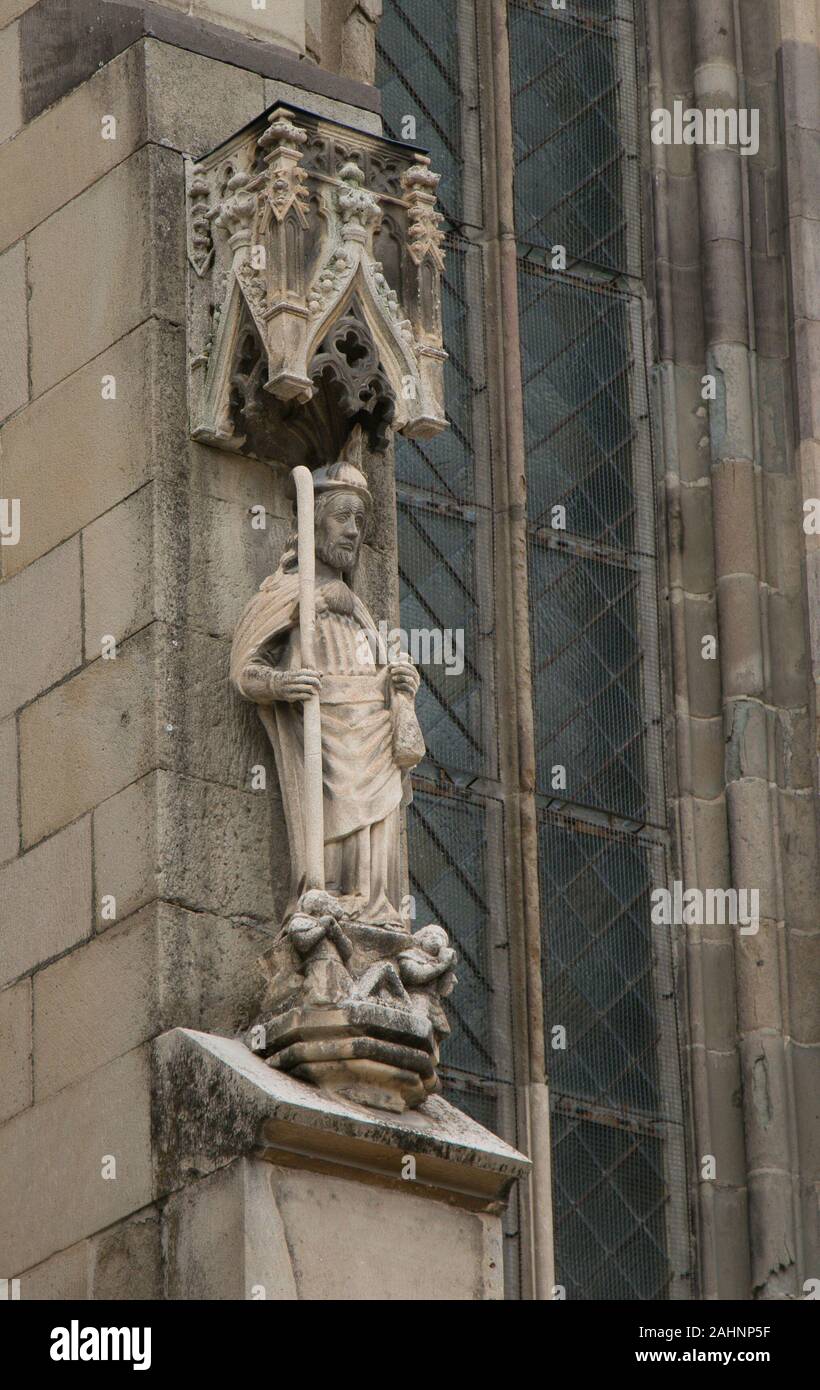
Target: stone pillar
[745,813]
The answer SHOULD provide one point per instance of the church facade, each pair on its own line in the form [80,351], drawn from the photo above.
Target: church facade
[433,865]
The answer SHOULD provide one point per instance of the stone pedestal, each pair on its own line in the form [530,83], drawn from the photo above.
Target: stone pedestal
[281,1191]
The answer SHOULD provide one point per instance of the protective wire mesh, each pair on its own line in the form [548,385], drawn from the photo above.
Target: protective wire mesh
[619,1173]
[439,613]
[609,1013]
[419,76]
[568,151]
[427,63]
[585,413]
[456,866]
[598,726]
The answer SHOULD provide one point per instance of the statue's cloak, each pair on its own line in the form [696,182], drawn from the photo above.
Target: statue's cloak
[362,783]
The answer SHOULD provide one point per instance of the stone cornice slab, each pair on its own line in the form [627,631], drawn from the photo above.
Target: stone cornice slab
[214,1100]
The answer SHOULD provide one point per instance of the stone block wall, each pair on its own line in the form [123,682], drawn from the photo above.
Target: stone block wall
[140,874]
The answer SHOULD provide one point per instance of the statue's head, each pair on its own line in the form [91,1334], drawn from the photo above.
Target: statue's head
[340,523]
[343,505]
[432,939]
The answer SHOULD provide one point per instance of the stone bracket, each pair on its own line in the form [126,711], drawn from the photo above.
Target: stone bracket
[214,1100]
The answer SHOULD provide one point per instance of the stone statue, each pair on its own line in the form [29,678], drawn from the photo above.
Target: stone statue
[427,969]
[353,1000]
[369,733]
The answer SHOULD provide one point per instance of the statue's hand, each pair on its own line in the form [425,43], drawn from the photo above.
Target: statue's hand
[295,686]
[404,676]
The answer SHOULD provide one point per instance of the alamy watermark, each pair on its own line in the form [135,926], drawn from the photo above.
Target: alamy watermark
[433,646]
[735,126]
[707,907]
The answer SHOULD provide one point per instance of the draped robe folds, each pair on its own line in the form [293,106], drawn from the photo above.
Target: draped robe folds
[363,787]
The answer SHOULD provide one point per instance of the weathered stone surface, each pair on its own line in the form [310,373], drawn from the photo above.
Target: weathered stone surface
[71,455]
[703,672]
[46,896]
[734,490]
[341,111]
[282,23]
[126,1261]
[803,172]
[218,736]
[194,103]
[751,840]
[107,997]
[52,1157]
[89,737]
[718,976]
[788,669]
[15,1049]
[720,196]
[226,1238]
[793,749]
[127,263]
[698,558]
[232,556]
[724,1101]
[746,740]
[709,845]
[201,845]
[126,846]
[14,340]
[807,364]
[10,800]
[257,1231]
[219,851]
[804,986]
[774,1269]
[62,151]
[731,424]
[741,643]
[691,425]
[123,1263]
[703,774]
[161,968]
[11,101]
[63,1276]
[44,599]
[797,812]
[10,9]
[760,987]
[118,571]
[726,1235]
[234,1102]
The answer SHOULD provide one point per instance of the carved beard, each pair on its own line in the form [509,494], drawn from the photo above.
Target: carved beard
[337,596]
[337,557]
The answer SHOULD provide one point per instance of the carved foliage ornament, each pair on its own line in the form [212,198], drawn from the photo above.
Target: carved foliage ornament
[316,256]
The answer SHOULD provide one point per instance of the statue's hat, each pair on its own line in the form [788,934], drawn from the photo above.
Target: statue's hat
[342,477]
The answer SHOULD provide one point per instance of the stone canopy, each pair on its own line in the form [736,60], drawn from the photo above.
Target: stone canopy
[315,260]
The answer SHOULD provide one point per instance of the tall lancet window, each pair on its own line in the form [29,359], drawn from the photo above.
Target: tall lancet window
[589,810]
